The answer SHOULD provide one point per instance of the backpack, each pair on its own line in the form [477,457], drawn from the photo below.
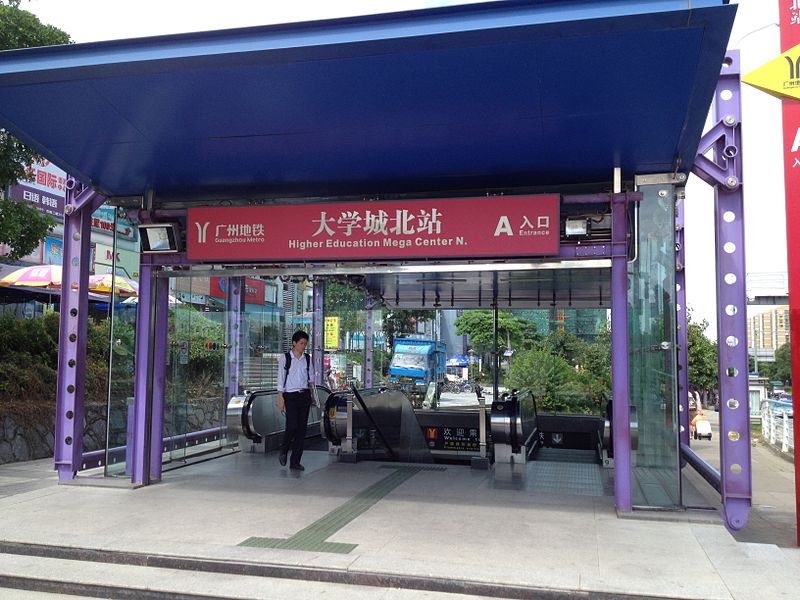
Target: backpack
[288,362]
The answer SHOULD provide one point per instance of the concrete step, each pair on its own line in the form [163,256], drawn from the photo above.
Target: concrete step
[38,578]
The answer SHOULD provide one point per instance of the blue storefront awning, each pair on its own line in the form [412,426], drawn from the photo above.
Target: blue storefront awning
[458,360]
[484,96]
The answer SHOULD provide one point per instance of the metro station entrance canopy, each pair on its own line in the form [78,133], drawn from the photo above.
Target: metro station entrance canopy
[486,96]
[584,100]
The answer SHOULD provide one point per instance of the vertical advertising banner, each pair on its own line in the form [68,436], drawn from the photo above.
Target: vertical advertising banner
[331,333]
[790,37]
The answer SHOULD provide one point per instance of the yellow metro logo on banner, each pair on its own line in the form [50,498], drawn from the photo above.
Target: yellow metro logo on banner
[779,77]
[331,333]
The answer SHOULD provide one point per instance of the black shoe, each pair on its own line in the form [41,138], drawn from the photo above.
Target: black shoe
[282,459]
[297,467]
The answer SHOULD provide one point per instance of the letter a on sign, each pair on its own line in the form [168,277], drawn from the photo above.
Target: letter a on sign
[796,143]
[503,226]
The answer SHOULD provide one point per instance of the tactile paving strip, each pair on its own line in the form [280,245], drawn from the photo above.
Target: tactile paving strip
[313,537]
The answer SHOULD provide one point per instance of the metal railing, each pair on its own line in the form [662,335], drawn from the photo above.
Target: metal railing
[777,418]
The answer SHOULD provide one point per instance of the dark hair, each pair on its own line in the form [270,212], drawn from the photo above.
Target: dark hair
[299,335]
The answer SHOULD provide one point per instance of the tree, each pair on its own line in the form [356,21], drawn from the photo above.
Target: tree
[511,329]
[22,227]
[783,363]
[400,321]
[567,345]
[345,299]
[703,366]
[554,383]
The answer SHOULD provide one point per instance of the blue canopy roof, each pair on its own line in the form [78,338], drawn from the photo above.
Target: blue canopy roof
[458,360]
[495,95]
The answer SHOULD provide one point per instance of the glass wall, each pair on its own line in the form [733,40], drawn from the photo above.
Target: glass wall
[121,339]
[656,474]
[197,348]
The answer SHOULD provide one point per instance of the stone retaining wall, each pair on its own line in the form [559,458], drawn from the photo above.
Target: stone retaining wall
[25,442]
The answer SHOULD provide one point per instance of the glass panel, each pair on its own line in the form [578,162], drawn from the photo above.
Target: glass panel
[561,355]
[117,331]
[198,347]
[345,322]
[180,348]
[656,476]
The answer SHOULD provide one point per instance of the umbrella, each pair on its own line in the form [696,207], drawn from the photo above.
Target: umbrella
[123,286]
[135,300]
[46,276]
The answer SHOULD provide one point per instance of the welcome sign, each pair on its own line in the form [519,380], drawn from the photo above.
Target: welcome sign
[443,228]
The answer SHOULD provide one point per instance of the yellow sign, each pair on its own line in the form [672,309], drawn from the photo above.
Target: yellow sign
[331,333]
[779,77]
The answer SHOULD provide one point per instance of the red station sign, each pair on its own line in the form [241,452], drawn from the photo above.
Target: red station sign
[790,37]
[444,228]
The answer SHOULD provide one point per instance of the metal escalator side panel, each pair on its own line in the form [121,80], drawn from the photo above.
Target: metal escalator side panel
[391,414]
[330,408]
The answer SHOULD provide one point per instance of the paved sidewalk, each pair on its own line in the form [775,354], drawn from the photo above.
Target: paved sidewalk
[773,518]
[252,527]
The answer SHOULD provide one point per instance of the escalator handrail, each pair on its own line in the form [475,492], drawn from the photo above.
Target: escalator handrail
[248,402]
[363,405]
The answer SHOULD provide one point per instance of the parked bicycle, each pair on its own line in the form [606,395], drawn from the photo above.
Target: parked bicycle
[456,387]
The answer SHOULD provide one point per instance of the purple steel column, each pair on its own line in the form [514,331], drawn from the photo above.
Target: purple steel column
[317,329]
[73,330]
[234,305]
[369,339]
[732,309]
[620,377]
[683,333]
[159,384]
[724,172]
[143,384]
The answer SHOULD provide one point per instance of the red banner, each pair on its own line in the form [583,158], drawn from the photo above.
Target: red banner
[790,37]
[446,228]
[254,289]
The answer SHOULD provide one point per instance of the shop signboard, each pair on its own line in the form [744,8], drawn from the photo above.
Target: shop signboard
[443,228]
[53,251]
[254,289]
[103,220]
[45,189]
[127,262]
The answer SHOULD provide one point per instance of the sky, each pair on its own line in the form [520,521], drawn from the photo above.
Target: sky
[755,34]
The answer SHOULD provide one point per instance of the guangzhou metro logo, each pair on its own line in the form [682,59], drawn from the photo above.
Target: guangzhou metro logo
[202,230]
[231,233]
[794,72]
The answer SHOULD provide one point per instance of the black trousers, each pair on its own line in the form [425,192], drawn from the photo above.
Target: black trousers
[298,405]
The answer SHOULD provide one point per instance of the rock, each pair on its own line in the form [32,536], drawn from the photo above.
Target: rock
[6,454]
[21,448]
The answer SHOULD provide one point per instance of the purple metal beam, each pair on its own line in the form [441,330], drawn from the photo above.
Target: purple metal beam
[598,198]
[735,470]
[317,329]
[369,339]
[161,333]
[683,333]
[73,331]
[234,307]
[143,364]
[620,378]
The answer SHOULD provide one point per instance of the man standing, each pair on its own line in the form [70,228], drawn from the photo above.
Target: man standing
[294,398]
